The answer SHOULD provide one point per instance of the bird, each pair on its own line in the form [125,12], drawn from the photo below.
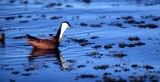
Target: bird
[50,43]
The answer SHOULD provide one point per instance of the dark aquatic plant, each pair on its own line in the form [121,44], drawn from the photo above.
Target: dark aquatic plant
[87,1]
[102,67]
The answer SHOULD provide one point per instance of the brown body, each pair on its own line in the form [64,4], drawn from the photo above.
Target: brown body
[36,43]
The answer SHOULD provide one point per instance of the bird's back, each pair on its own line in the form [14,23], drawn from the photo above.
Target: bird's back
[42,43]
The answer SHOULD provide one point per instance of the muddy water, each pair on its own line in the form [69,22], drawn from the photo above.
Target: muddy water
[102,46]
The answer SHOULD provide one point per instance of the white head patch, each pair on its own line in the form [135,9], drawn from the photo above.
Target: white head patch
[64,26]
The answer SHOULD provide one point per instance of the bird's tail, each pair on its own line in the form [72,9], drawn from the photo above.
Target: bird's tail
[31,37]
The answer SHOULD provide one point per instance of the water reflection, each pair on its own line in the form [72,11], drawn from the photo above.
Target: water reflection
[2,43]
[2,39]
[35,53]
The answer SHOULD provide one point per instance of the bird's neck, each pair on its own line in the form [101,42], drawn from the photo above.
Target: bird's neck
[59,34]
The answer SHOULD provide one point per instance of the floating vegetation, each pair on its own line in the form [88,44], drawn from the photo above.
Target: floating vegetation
[15,72]
[97,46]
[94,37]
[108,46]
[12,80]
[94,54]
[126,69]
[69,6]
[134,38]
[28,16]
[154,18]
[82,42]
[24,1]
[38,18]
[102,67]
[19,16]
[26,74]
[123,45]
[1,30]
[148,26]
[145,77]
[30,68]
[106,73]
[95,25]
[116,65]
[10,18]
[139,43]
[81,66]
[117,55]
[114,4]
[87,1]
[38,2]
[55,17]
[83,76]
[12,1]
[102,16]
[107,78]
[117,70]
[43,15]
[102,23]
[134,22]
[147,67]
[127,17]
[152,4]
[140,24]
[117,24]
[71,61]
[147,17]
[23,21]
[53,4]
[135,66]
[33,67]
[83,24]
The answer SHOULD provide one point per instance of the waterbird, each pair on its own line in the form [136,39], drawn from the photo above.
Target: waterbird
[51,43]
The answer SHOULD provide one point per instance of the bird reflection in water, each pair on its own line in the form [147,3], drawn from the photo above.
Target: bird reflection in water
[2,44]
[2,39]
[49,53]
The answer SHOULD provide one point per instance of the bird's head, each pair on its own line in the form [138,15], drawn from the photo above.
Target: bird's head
[65,25]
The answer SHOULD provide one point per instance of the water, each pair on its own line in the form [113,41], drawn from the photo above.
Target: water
[74,62]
